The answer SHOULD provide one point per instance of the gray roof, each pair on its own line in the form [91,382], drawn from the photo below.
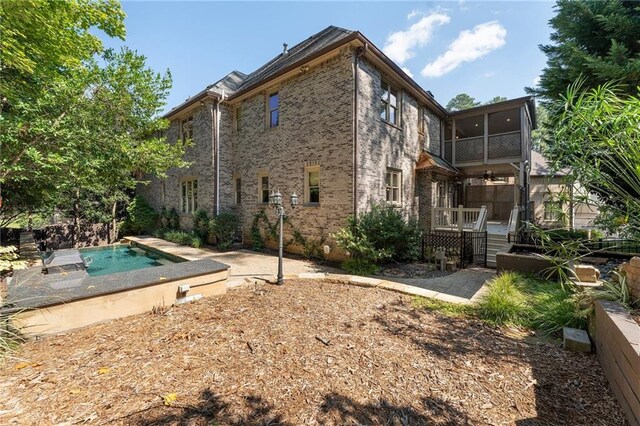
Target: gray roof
[229,83]
[540,166]
[300,51]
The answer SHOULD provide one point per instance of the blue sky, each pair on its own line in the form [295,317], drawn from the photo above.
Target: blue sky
[481,48]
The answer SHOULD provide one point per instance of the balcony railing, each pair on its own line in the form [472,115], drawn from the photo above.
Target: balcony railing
[459,219]
[471,150]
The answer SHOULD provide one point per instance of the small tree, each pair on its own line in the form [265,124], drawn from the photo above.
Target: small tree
[142,218]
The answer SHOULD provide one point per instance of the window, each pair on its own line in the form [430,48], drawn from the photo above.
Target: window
[238,118]
[552,210]
[237,190]
[274,110]
[263,188]
[394,181]
[389,104]
[189,196]
[422,125]
[312,185]
[187,129]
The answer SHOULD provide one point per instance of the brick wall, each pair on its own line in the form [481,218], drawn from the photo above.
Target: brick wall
[200,155]
[382,145]
[315,129]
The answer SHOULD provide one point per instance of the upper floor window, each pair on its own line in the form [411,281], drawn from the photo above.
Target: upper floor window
[274,109]
[237,190]
[238,118]
[312,185]
[389,103]
[394,181]
[423,120]
[187,129]
[263,188]
[189,196]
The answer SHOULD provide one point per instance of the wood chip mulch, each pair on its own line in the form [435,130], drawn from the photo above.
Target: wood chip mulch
[303,353]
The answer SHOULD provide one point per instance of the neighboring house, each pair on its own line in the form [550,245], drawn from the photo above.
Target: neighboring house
[336,121]
[551,198]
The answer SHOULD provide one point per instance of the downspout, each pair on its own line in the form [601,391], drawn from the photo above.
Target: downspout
[358,53]
[213,141]
[218,153]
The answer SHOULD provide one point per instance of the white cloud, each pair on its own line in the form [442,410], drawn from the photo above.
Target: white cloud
[469,46]
[413,14]
[489,74]
[407,71]
[399,45]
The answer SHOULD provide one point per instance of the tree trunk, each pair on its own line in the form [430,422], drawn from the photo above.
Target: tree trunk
[114,222]
[76,218]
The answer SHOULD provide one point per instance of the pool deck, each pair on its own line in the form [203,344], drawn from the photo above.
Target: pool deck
[30,288]
[246,266]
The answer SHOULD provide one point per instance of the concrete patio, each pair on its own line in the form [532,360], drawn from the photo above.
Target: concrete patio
[246,266]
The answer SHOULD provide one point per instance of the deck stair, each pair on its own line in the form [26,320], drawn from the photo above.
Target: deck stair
[496,243]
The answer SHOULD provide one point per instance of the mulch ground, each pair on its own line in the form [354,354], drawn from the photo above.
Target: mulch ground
[304,353]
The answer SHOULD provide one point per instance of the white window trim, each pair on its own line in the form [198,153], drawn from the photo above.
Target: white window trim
[385,84]
[183,122]
[398,172]
[260,176]
[307,189]
[191,204]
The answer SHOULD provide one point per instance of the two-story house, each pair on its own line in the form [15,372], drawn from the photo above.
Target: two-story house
[336,121]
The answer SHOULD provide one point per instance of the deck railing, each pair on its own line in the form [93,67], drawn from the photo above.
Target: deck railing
[459,219]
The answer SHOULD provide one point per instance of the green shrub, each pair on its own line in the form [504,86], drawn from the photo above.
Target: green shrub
[160,233]
[380,234]
[10,260]
[504,303]
[359,266]
[196,241]
[141,216]
[201,224]
[224,227]
[448,309]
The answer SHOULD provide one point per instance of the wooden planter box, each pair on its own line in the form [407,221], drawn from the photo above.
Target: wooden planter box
[617,339]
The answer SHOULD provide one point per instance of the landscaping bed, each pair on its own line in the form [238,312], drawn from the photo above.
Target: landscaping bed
[304,353]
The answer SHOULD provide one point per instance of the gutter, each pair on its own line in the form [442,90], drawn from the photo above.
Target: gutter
[359,52]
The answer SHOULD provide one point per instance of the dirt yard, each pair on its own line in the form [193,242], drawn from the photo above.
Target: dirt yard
[303,353]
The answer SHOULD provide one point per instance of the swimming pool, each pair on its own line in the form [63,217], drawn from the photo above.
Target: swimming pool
[120,258]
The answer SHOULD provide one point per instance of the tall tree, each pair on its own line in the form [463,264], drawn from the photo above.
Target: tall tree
[495,100]
[594,40]
[462,101]
[76,131]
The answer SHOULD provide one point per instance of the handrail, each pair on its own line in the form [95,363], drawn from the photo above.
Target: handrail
[459,218]
[481,223]
[513,220]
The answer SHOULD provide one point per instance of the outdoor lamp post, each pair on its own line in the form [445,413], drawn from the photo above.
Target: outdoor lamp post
[276,201]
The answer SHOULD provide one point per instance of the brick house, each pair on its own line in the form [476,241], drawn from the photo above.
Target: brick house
[336,121]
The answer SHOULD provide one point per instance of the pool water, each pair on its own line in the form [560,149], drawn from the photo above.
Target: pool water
[119,258]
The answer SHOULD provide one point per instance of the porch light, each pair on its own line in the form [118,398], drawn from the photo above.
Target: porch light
[294,199]
[275,198]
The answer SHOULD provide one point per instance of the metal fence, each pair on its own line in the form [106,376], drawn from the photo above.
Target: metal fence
[465,248]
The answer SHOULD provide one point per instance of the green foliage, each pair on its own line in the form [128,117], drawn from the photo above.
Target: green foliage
[360,266]
[514,299]
[141,216]
[595,40]
[224,227]
[183,238]
[454,310]
[10,260]
[201,223]
[380,234]
[462,101]
[78,124]
[599,130]
[196,241]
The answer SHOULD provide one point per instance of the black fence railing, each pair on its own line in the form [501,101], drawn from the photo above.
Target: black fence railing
[465,248]
[619,245]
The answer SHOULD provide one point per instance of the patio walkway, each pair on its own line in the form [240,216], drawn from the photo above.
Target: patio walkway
[247,266]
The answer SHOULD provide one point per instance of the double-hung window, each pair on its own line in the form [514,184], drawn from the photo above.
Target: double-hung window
[187,129]
[263,188]
[312,185]
[393,184]
[552,210]
[389,104]
[189,196]
[274,109]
